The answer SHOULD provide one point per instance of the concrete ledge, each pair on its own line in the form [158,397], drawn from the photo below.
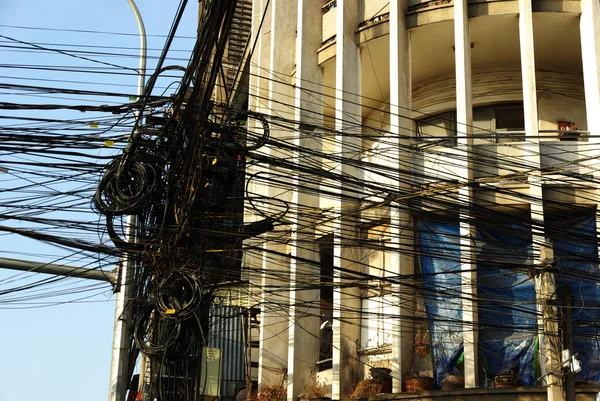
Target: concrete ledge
[373,30]
[327,51]
[431,11]
[489,394]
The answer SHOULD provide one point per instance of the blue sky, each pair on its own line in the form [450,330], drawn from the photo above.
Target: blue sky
[63,352]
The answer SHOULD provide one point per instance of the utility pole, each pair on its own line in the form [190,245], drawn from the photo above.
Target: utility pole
[550,344]
[124,289]
[566,303]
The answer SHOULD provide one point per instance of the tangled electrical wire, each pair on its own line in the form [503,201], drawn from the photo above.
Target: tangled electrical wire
[128,186]
[181,176]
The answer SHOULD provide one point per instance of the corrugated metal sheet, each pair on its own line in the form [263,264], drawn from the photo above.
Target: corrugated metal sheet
[227,333]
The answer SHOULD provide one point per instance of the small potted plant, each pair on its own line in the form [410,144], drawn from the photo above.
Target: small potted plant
[383,376]
[507,377]
[367,388]
[415,382]
[453,382]
[272,392]
[317,389]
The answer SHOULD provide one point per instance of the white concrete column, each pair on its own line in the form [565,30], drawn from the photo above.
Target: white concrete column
[274,336]
[257,12]
[304,304]
[258,87]
[590,53]
[401,225]
[528,70]
[261,60]
[550,360]
[464,127]
[346,299]
[253,260]
[532,148]
[462,60]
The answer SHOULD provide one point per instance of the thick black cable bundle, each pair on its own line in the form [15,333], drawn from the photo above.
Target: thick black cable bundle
[234,135]
[176,190]
[156,341]
[178,294]
[127,188]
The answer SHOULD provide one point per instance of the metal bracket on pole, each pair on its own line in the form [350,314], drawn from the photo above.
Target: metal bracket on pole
[58,270]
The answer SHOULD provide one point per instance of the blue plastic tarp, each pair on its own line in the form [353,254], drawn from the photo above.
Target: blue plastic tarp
[507,301]
[576,254]
[506,292]
[439,248]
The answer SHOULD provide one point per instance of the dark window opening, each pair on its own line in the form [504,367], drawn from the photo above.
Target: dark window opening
[440,128]
[498,123]
[510,117]
[326,301]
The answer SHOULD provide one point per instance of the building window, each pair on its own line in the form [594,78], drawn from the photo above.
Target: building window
[440,129]
[375,239]
[376,319]
[377,302]
[326,301]
[499,123]
[496,124]
[509,123]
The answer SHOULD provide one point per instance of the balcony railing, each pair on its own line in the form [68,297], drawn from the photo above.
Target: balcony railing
[373,11]
[545,135]
[329,5]
[562,154]
[568,158]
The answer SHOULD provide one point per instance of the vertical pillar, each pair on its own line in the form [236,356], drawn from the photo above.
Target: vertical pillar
[462,60]
[304,304]
[261,60]
[464,127]
[346,298]
[528,70]
[255,37]
[590,53]
[273,353]
[552,344]
[254,260]
[532,149]
[122,332]
[257,91]
[401,224]
[549,357]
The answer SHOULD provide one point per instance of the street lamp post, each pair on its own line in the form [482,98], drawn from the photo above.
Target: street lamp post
[142,63]
[121,336]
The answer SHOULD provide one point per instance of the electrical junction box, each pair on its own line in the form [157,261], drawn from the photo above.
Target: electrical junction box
[210,380]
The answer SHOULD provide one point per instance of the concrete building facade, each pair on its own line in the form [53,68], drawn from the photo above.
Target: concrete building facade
[487,116]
